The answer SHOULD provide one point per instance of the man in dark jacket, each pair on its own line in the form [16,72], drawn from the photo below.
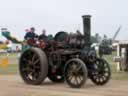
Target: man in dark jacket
[30,34]
[31,37]
[43,35]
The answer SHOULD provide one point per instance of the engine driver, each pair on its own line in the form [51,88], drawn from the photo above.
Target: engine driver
[30,36]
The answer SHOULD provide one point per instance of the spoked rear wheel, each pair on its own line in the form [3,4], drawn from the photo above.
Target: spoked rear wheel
[33,66]
[102,72]
[75,73]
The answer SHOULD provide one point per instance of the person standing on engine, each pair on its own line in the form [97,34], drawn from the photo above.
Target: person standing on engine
[30,34]
[43,36]
[31,37]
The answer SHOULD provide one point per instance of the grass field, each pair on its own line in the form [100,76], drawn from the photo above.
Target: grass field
[8,54]
[10,69]
[13,69]
[116,75]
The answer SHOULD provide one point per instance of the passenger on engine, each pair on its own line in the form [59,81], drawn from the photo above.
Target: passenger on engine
[30,34]
[43,35]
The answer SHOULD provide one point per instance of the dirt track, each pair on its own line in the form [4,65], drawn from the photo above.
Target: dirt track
[12,85]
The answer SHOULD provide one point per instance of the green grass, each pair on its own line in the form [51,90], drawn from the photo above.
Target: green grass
[116,75]
[8,54]
[120,76]
[10,69]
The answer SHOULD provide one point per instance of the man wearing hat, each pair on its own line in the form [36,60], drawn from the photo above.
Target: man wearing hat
[30,34]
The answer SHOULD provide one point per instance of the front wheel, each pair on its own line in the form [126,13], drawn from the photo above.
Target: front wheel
[75,73]
[101,73]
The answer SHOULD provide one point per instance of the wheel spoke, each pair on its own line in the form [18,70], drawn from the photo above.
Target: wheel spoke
[80,77]
[77,82]
[74,66]
[79,67]
[98,80]
[33,57]
[25,60]
[37,67]
[74,81]
[35,62]
[69,74]
[101,79]
[25,69]
[70,77]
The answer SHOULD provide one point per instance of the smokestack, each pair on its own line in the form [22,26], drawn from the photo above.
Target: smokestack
[87,29]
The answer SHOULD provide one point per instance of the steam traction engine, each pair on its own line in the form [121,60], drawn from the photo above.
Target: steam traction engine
[67,58]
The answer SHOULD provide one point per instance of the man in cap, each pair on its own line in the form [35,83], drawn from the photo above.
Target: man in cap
[30,34]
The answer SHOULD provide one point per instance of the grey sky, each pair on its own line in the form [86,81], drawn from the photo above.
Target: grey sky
[56,15]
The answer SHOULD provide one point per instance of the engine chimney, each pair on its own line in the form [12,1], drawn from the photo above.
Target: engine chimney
[87,29]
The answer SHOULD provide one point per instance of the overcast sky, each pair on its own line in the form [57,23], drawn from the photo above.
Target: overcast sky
[56,15]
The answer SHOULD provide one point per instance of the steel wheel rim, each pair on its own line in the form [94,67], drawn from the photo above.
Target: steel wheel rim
[75,73]
[101,74]
[30,66]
